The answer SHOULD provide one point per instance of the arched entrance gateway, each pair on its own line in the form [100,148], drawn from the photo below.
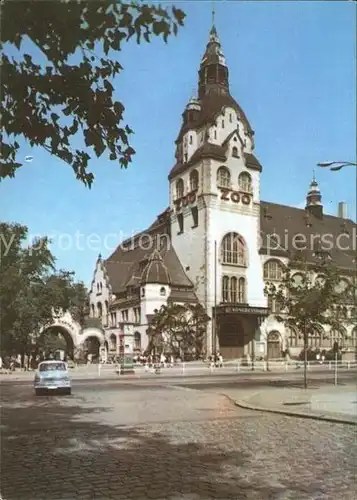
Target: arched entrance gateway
[55,342]
[65,338]
[274,345]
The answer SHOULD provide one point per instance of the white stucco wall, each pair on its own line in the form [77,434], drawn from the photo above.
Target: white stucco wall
[100,293]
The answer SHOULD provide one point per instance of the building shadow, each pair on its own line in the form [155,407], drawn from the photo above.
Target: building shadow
[54,450]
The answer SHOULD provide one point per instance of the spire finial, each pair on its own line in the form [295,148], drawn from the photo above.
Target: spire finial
[213,13]
[313,175]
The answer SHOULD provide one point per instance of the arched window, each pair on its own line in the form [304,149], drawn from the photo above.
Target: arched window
[293,338]
[100,309]
[336,335]
[233,250]
[245,182]
[194,180]
[112,342]
[225,289]
[137,341]
[162,291]
[352,341]
[273,270]
[235,152]
[93,311]
[241,291]
[233,289]
[223,177]
[314,338]
[179,188]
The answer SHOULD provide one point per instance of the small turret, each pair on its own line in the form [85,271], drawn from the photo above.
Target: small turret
[155,272]
[314,199]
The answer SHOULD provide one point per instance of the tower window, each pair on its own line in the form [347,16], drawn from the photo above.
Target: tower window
[245,182]
[235,152]
[162,291]
[191,139]
[223,177]
[222,123]
[194,211]
[180,223]
[241,291]
[186,157]
[233,250]
[215,134]
[179,188]
[230,117]
[194,180]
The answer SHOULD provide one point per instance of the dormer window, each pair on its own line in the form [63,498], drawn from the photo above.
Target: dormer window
[162,291]
[223,177]
[179,188]
[235,152]
[245,182]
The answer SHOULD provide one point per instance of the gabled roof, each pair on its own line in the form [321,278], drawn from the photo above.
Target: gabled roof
[208,150]
[126,264]
[280,224]
[211,106]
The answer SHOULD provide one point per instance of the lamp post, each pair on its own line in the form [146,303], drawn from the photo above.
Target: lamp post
[336,165]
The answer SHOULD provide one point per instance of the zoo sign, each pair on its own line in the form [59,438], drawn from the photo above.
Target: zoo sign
[67,325]
[235,196]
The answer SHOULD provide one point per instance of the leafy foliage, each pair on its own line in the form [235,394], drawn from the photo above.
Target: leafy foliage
[179,328]
[49,104]
[31,290]
[307,295]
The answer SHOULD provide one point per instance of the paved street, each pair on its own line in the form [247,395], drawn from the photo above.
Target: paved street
[156,440]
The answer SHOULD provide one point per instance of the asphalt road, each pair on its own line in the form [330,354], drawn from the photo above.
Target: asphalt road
[202,382]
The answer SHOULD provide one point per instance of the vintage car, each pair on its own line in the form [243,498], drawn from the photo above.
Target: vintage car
[52,376]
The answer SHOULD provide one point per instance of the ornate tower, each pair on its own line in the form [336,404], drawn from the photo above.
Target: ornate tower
[215,190]
[314,199]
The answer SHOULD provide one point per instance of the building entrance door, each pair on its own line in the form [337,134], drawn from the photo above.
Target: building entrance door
[274,346]
[231,337]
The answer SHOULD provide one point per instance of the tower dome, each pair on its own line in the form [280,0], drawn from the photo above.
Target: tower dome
[314,199]
[155,272]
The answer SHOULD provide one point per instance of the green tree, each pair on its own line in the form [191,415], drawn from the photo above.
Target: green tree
[71,91]
[31,290]
[306,296]
[180,328]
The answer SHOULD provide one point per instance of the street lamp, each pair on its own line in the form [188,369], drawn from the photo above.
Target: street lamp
[336,165]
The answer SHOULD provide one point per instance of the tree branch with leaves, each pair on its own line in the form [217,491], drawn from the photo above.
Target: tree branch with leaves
[306,295]
[70,92]
[180,328]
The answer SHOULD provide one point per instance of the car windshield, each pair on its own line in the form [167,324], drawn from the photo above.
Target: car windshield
[50,367]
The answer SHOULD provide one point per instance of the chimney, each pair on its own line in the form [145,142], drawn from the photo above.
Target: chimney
[342,210]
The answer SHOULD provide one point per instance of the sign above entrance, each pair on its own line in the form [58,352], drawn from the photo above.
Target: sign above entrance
[67,325]
[235,196]
[261,311]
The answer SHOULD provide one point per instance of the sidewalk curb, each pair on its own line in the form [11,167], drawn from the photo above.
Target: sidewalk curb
[311,416]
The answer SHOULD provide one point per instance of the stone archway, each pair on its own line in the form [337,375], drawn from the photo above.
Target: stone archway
[274,345]
[56,341]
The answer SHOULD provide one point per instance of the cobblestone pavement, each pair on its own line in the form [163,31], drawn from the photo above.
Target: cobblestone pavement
[166,443]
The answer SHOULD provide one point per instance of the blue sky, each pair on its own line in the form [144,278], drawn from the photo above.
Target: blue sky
[292,69]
